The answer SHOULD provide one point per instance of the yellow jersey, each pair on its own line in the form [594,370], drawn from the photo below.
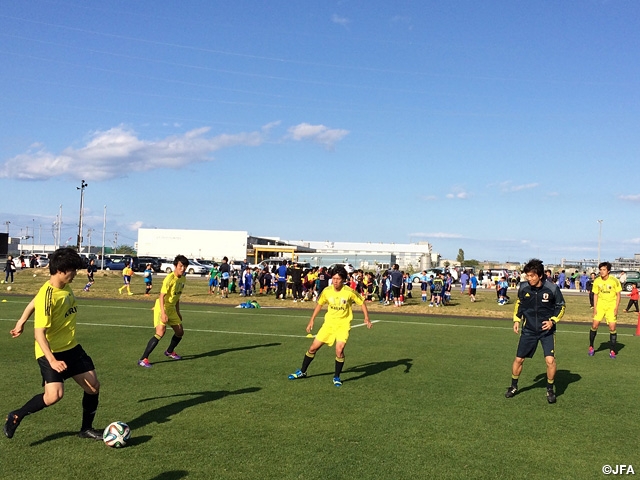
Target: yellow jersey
[606,290]
[172,287]
[127,272]
[339,303]
[56,312]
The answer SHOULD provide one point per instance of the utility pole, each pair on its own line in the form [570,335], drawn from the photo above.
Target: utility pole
[115,242]
[82,186]
[7,224]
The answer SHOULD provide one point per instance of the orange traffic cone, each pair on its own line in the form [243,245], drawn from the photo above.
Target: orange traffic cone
[638,327]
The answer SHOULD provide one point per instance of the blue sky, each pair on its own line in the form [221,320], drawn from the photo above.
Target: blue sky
[505,128]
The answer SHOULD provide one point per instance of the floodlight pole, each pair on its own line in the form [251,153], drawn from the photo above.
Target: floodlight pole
[599,239]
[82,186]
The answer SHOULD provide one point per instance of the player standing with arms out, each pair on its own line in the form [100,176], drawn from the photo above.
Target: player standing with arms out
[337,322]
[166,311]
[58,353]
[606,300]
[539,306]
[127,273]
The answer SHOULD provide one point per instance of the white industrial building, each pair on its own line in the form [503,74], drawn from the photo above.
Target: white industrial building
[237,245]
[368,255]
[207,244]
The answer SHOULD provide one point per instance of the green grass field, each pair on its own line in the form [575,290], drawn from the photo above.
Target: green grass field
[423,397]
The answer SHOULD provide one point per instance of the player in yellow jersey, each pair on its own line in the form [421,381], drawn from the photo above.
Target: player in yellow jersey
[166,311]
[337,322]
[127,273]
[606,300]
[58,353]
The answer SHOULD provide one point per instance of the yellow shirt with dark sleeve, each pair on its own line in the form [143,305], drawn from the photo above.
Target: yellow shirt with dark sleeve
[56,312]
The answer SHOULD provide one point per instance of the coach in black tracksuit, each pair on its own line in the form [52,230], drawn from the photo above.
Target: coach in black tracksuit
[539,306]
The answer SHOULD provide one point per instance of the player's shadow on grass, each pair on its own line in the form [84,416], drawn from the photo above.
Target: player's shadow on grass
[374,368]
[222,351]
[563,379]
[172,475]
[164,413]
[606,346]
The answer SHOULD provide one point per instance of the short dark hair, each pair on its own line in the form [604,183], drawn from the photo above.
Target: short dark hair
[339,270]
[534,265]
[181,259]
[604,264]
[64,260]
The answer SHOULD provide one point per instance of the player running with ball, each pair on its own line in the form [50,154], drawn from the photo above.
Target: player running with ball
[58,353]
[337,322]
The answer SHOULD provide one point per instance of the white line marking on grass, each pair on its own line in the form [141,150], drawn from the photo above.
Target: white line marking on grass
[404,322]
[363,324]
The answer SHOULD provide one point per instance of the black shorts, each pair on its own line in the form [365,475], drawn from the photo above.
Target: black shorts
[77,362]
[396,291]
[529,343]
[224,283]
[472,291]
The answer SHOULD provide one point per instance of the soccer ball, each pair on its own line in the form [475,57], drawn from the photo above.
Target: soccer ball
[9,288]
[116,434]
[147,274]
[35,275]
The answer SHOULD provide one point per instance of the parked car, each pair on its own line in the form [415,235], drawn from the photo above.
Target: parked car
[633,278]
[193,268]
[114,264]
[415,278]
[155,262]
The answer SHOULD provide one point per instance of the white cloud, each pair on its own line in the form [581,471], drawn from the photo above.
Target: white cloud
[135,225]
[108,153]
[508,186]
[335,18]
[428,198]
[458,195]
[630,198]
[317,133]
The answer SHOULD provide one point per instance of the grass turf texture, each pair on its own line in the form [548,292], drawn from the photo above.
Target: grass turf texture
[423,397]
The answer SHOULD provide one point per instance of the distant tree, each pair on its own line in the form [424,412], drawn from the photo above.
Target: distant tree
[472,263]
[460,257]
[126,250]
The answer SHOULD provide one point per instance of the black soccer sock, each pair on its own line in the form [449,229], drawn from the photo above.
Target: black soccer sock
[175,340]
[550,384]
[308,358]
[592,336]
[32,406]
[339,365]
[613,339]
[150,346]
[89,408]
[514,380]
